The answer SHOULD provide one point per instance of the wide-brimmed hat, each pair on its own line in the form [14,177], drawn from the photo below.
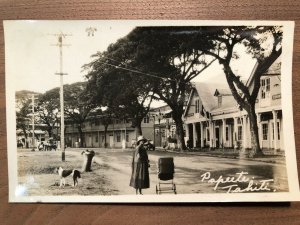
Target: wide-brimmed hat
[141,138]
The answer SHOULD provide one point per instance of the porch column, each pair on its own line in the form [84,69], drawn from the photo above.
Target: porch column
[194,135]
[235,131]
[201,135]
[210,134]
[275,131]
[244,132]
[187,134]
[259,129]
[223,133]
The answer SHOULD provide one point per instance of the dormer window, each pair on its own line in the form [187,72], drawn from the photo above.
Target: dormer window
[197,106]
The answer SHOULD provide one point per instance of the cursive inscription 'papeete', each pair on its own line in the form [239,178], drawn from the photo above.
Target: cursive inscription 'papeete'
[233,183]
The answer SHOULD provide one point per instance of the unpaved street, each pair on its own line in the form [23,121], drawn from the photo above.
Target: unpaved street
[112,170]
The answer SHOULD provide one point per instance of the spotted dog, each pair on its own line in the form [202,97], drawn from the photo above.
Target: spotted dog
[65,173]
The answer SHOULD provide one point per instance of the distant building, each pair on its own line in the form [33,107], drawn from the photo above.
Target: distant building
[164,125]
[120,133]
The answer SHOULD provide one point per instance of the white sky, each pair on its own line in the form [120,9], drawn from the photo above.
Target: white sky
[33,61]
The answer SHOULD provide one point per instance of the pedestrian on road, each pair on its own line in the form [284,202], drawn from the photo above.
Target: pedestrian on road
[140,164]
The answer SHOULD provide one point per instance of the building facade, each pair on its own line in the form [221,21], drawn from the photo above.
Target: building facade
[213,118]
[164,125]
[119,134]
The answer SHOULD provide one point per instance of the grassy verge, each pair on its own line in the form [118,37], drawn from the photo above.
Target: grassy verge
[36,172]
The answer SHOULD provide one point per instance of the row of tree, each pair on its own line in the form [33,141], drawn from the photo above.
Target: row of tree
[46,109]
[159,63]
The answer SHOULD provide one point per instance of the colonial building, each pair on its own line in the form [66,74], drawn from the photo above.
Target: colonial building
[119,134]
[213,118]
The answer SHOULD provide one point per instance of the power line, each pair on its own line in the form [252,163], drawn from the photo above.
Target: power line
[132,68]
[135,71]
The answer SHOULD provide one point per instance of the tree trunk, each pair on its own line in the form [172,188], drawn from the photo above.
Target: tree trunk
[26,136]
[256,150]
[138,129]
[179,132]
[82,141]
[137,124]
[50,132]
[105,132]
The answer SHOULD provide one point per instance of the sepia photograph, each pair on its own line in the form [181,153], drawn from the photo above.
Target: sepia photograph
[150,111]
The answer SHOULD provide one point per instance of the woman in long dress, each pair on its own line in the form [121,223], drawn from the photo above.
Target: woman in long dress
[140,163]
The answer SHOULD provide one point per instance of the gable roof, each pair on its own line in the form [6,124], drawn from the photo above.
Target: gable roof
[274,69]
[206,93]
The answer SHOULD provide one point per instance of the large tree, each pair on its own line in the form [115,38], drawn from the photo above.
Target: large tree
[48,109]
[78,106]
[264,43]
[170,57]
[23,118]
[24,111]
[126,95]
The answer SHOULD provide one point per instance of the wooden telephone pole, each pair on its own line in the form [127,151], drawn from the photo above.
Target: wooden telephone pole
[60,44]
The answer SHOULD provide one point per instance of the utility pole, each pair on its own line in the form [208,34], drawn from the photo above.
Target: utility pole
[60,44]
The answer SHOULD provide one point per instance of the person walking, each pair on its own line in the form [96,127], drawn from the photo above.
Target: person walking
[140,164]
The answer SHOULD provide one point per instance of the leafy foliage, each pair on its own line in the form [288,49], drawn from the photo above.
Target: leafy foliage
[48,109]
[264,43]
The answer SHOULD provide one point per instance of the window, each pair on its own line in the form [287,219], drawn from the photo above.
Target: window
[265,88]
[278,130]
[97,123]
[265,131]
[227,133]
[207,134]
[163,132]
[146,119]
[197,106]
[118,136]
[127,137]
[96,139]
[240,133]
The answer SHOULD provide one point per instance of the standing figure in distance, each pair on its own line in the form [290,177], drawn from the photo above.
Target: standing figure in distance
[140,164]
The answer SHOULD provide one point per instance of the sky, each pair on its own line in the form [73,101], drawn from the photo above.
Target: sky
[32,58]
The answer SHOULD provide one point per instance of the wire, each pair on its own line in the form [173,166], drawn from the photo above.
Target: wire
[132,68]
[134,71]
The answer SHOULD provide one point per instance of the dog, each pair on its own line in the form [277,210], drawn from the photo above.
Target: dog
[64,173]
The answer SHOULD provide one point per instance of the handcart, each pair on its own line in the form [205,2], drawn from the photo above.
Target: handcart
[166,175]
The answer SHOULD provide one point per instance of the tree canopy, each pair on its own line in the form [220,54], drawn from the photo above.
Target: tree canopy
[264,44]
[155,61]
